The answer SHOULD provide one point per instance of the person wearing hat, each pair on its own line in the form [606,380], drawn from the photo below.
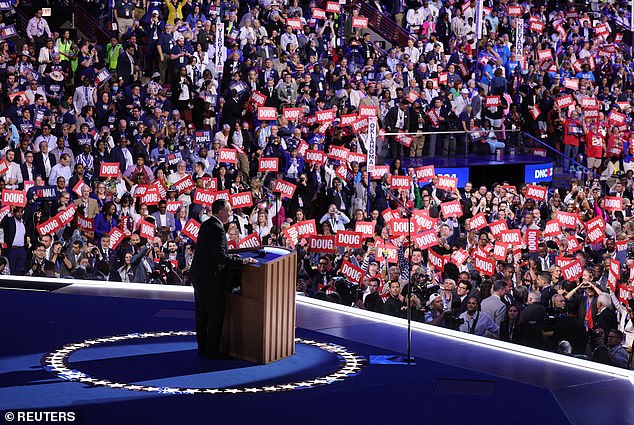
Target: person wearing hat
[54,87]
[436,316]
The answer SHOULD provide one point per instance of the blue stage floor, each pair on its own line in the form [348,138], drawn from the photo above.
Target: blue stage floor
[452,382]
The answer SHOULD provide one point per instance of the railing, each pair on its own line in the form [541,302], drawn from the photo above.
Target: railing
[88,24]
[21,20]
[384,25]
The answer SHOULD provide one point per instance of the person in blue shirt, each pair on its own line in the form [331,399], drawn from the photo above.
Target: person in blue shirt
[585,73]
[511,65]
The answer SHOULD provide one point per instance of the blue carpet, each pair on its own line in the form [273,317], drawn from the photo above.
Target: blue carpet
[429,392]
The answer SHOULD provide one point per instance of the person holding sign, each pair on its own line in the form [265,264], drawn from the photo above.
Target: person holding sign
[208,276]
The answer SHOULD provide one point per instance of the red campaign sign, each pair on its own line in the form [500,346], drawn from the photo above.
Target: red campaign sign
[478,222]
[285,188]
[514,11]
[412,96]
[492,101]
[210,183]
[184,184]
[425,173]
[360,124]
[109,169]
[447,183]
[532,239]
[77,188]
[251,241]
[319,14]
[442,78]
[366,228]
[613,203]
[424,221]
[511,236]
[347,119]
[315,157]
[436,260]
[618,37]
[595,222]
[427,239]
[499,251]
[433,118]
[566,220]
[204,197]
[564,101]
[535,112]
[544,55]
[227,155]
[595,235]
[573,244]
[292,114]
[173,206]
[451,209]
[151,196]
[386,251]
[84,223]
[191,229]
[351,272]
[498,227]
[327,115]
[562,261]
[484,265]
[268,164]
[552,228]
[536,192]
[459,257]
[291,235]
[601,30]
[333,7]
[338,152]
[267,113]
[368,111]
[147,230]
[537,26]
[400,182]
[306,228]
[4,167]
[258,98]
[241,200]
[50,226]
[614,274]
[161,188]
[622,293]
[571,83]
[294,23]
[591,114]
[68,215]
[379,171]
[16,198]
[349,239]
[617,117]
[389,215]
[589,102]
[576,66]
[404,139]
[359,22]
[116,237]
[357,157]
[464,71]
[401,227]
[572,271]
[324,244]
[302,148]
[342,171]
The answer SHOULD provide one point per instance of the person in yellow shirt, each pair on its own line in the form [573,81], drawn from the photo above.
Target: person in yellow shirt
[174,10]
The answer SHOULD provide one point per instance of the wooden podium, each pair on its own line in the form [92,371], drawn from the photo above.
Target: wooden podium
[259,322]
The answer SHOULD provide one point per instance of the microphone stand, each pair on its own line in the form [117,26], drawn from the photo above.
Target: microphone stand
[409,360]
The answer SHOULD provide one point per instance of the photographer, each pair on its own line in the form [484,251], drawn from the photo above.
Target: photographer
[39,263]
[437,316]
[336,218]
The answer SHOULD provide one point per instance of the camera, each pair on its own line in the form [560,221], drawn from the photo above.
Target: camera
[630,250]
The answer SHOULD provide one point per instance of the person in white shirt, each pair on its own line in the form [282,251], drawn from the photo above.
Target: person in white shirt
[287,38]
[85,95]
[14,174]
[336,218]
[61,169]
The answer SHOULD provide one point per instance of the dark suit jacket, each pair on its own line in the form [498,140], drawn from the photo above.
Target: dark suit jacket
[116,155]
[8,225]
[124,67]
[607,321]
[25,173]
[211,258]
[38,163]
[392,117]
[273,74]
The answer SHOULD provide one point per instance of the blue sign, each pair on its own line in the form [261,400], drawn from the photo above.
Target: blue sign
[538,173]
[462,173]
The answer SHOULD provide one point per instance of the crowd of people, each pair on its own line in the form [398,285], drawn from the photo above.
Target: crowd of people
[112,155]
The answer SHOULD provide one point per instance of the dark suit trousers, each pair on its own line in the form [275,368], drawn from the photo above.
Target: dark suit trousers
[17,260]
[210,314]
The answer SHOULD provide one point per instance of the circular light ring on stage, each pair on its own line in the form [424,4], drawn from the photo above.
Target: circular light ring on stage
[350,364]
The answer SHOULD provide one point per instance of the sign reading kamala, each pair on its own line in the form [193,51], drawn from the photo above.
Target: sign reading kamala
[538,173]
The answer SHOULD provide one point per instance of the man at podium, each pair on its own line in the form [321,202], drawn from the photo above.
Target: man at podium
[208,275]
